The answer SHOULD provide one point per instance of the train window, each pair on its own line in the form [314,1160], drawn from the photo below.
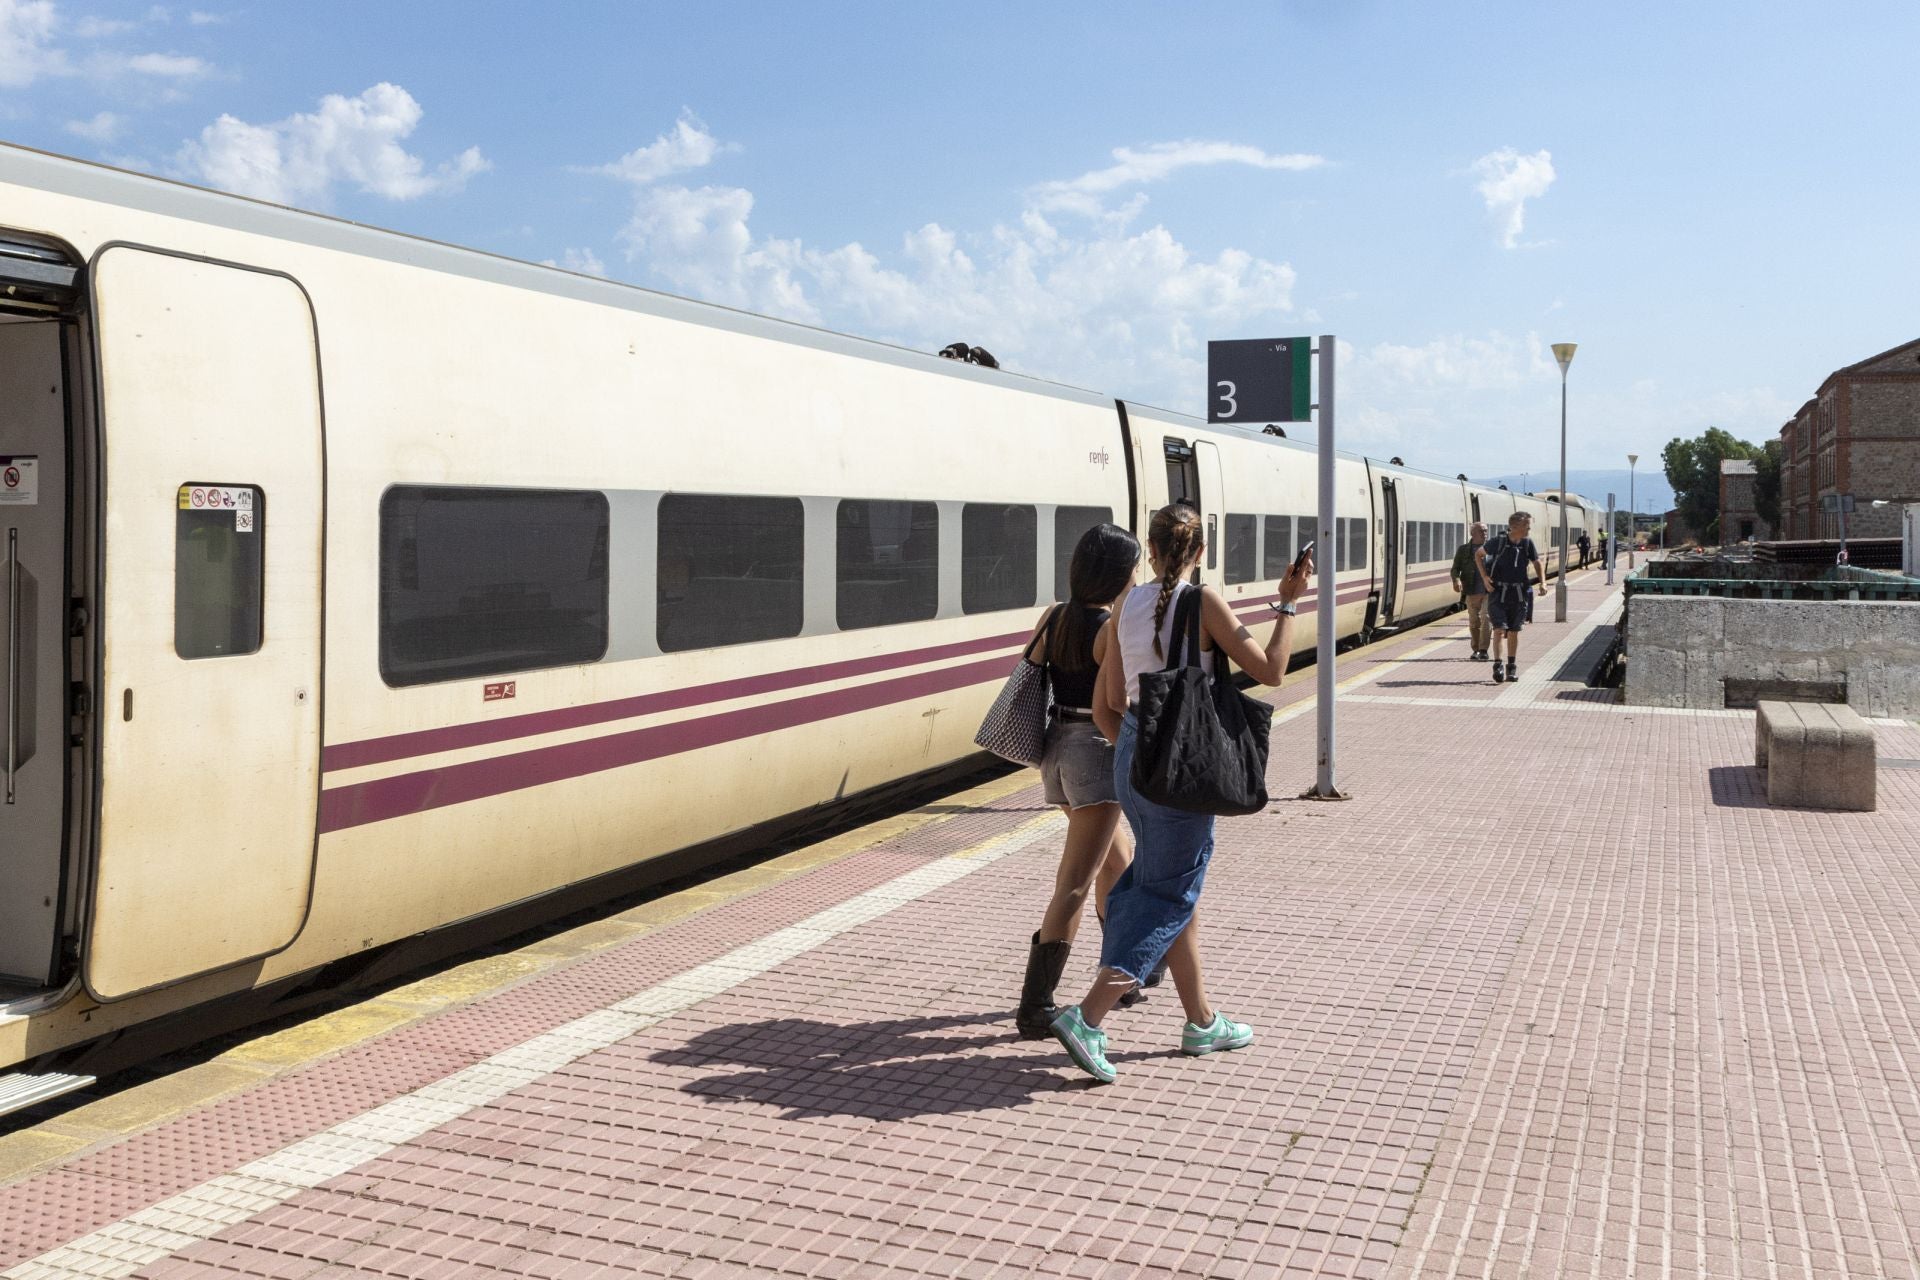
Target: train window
[1356,544]
[478,582]
[1419,551]
[1279,546]
[1243,548]
[998,544]
[218,570]
[886,563]
[728,570]
[1069,523]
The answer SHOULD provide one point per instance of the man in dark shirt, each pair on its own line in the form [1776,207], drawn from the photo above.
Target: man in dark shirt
[1472,591]
[1586,548]
[1503,567]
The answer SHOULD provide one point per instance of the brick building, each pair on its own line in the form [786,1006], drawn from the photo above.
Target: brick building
[1739,519]
[1860,434]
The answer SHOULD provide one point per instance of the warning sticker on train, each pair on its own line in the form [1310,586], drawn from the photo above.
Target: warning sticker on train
[19,482]
[239,499]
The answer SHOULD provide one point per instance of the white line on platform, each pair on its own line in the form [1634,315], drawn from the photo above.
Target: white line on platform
[164,1229]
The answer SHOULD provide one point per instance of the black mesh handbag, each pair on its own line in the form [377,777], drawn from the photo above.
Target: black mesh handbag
[1202,744]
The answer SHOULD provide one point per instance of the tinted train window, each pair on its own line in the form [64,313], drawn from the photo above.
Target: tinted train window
[218,570]
[477,582]
[728,570]
[1069,523]
[1279,547]
[886,563]
[998,545]
[1243,549]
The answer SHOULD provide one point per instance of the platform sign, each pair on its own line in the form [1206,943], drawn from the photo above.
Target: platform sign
[1832,502]
[1260,380]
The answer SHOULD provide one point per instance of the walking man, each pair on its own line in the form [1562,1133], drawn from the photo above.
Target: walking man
[1503,564]
[1472,590]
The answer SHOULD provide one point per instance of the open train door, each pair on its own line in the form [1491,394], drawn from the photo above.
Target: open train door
[213,473]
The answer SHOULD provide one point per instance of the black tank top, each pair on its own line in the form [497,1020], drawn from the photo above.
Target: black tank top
[1075,688]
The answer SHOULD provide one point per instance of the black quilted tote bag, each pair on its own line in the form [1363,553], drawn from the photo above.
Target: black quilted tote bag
[1015,727]
[1202,744]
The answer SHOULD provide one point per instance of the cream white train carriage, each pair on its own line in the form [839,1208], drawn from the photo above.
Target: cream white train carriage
[359,585]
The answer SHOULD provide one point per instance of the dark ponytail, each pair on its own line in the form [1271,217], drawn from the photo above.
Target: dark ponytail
[1103,563]
[1175,537]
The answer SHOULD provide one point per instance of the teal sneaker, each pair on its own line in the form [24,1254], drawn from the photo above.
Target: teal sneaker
[1086,1045]
[1216,1037]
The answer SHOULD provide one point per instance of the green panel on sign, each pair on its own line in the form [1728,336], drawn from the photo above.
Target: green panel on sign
[1302,363]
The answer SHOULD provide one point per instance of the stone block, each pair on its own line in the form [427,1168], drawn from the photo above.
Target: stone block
[1816,756]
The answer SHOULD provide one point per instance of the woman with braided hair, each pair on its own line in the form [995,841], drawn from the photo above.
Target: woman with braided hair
[1151,909]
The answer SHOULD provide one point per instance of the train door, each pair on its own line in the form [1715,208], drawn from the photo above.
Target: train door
[1390,563]
[1475,499]
[211,599]
[34,515]
[1183,479]
[1214,500]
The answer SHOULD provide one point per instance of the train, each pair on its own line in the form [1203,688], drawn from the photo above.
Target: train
[361,585]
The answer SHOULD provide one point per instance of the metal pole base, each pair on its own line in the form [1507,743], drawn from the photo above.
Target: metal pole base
[1332,795]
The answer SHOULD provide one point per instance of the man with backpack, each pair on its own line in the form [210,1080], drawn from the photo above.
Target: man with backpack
[1472,592]
[1503,565]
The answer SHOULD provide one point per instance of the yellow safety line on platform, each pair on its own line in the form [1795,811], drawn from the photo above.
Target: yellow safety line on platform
[293,1048]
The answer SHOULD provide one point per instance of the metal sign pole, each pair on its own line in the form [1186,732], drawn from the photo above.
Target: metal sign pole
[1326,562]
[1613,539]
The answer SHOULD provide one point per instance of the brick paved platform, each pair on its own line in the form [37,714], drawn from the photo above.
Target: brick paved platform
[1555,994]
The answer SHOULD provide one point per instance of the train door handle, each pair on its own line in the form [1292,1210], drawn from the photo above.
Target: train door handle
[13,659]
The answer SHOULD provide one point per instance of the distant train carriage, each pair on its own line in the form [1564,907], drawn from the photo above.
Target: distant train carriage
[360,585]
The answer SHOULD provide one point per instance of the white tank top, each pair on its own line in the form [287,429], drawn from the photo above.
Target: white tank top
[1136,634]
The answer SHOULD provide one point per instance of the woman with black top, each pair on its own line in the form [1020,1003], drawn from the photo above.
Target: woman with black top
[1077,771]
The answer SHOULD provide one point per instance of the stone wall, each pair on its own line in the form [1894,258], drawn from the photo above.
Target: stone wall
[1681,650]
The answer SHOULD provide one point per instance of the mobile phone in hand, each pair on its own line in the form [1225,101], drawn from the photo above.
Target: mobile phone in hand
[1302,557]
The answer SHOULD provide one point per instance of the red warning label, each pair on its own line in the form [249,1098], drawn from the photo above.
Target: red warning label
[498,690]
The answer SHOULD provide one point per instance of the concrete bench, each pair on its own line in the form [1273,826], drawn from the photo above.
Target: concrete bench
[1817,755]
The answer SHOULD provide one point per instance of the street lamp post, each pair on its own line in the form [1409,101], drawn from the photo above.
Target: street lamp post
[1633,517]
[1563,352]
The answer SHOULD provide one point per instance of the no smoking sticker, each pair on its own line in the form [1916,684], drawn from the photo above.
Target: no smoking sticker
[19,482]
[240,500]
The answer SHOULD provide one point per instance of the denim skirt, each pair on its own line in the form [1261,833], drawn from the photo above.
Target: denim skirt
[1155,897]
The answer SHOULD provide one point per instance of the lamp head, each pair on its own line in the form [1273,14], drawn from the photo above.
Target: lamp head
[1632,458]
[1563,352]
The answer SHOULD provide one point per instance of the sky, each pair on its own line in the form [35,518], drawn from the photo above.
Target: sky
[1717,202]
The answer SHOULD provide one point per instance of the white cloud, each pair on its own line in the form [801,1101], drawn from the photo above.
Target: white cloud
[688,146]
[1154,163]
[27,51]
[201,18]
[302,158]
[104,127]
[171,66]
[1104,307]
[1507,181]
[100,28]
[584,261]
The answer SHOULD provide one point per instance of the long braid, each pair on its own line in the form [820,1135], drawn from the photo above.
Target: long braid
[1175,534]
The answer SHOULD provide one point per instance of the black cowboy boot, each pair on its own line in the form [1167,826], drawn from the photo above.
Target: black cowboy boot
[1045,961]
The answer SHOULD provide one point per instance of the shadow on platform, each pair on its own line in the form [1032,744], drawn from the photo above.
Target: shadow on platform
[888,1070]
[1738,786]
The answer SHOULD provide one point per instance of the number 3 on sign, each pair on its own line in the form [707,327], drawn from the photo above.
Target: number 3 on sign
[1227,393]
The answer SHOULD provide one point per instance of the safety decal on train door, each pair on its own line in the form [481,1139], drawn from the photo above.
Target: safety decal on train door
[212,497]
[20,482]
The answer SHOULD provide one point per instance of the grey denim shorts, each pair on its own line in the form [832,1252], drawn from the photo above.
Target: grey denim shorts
[1078,768]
